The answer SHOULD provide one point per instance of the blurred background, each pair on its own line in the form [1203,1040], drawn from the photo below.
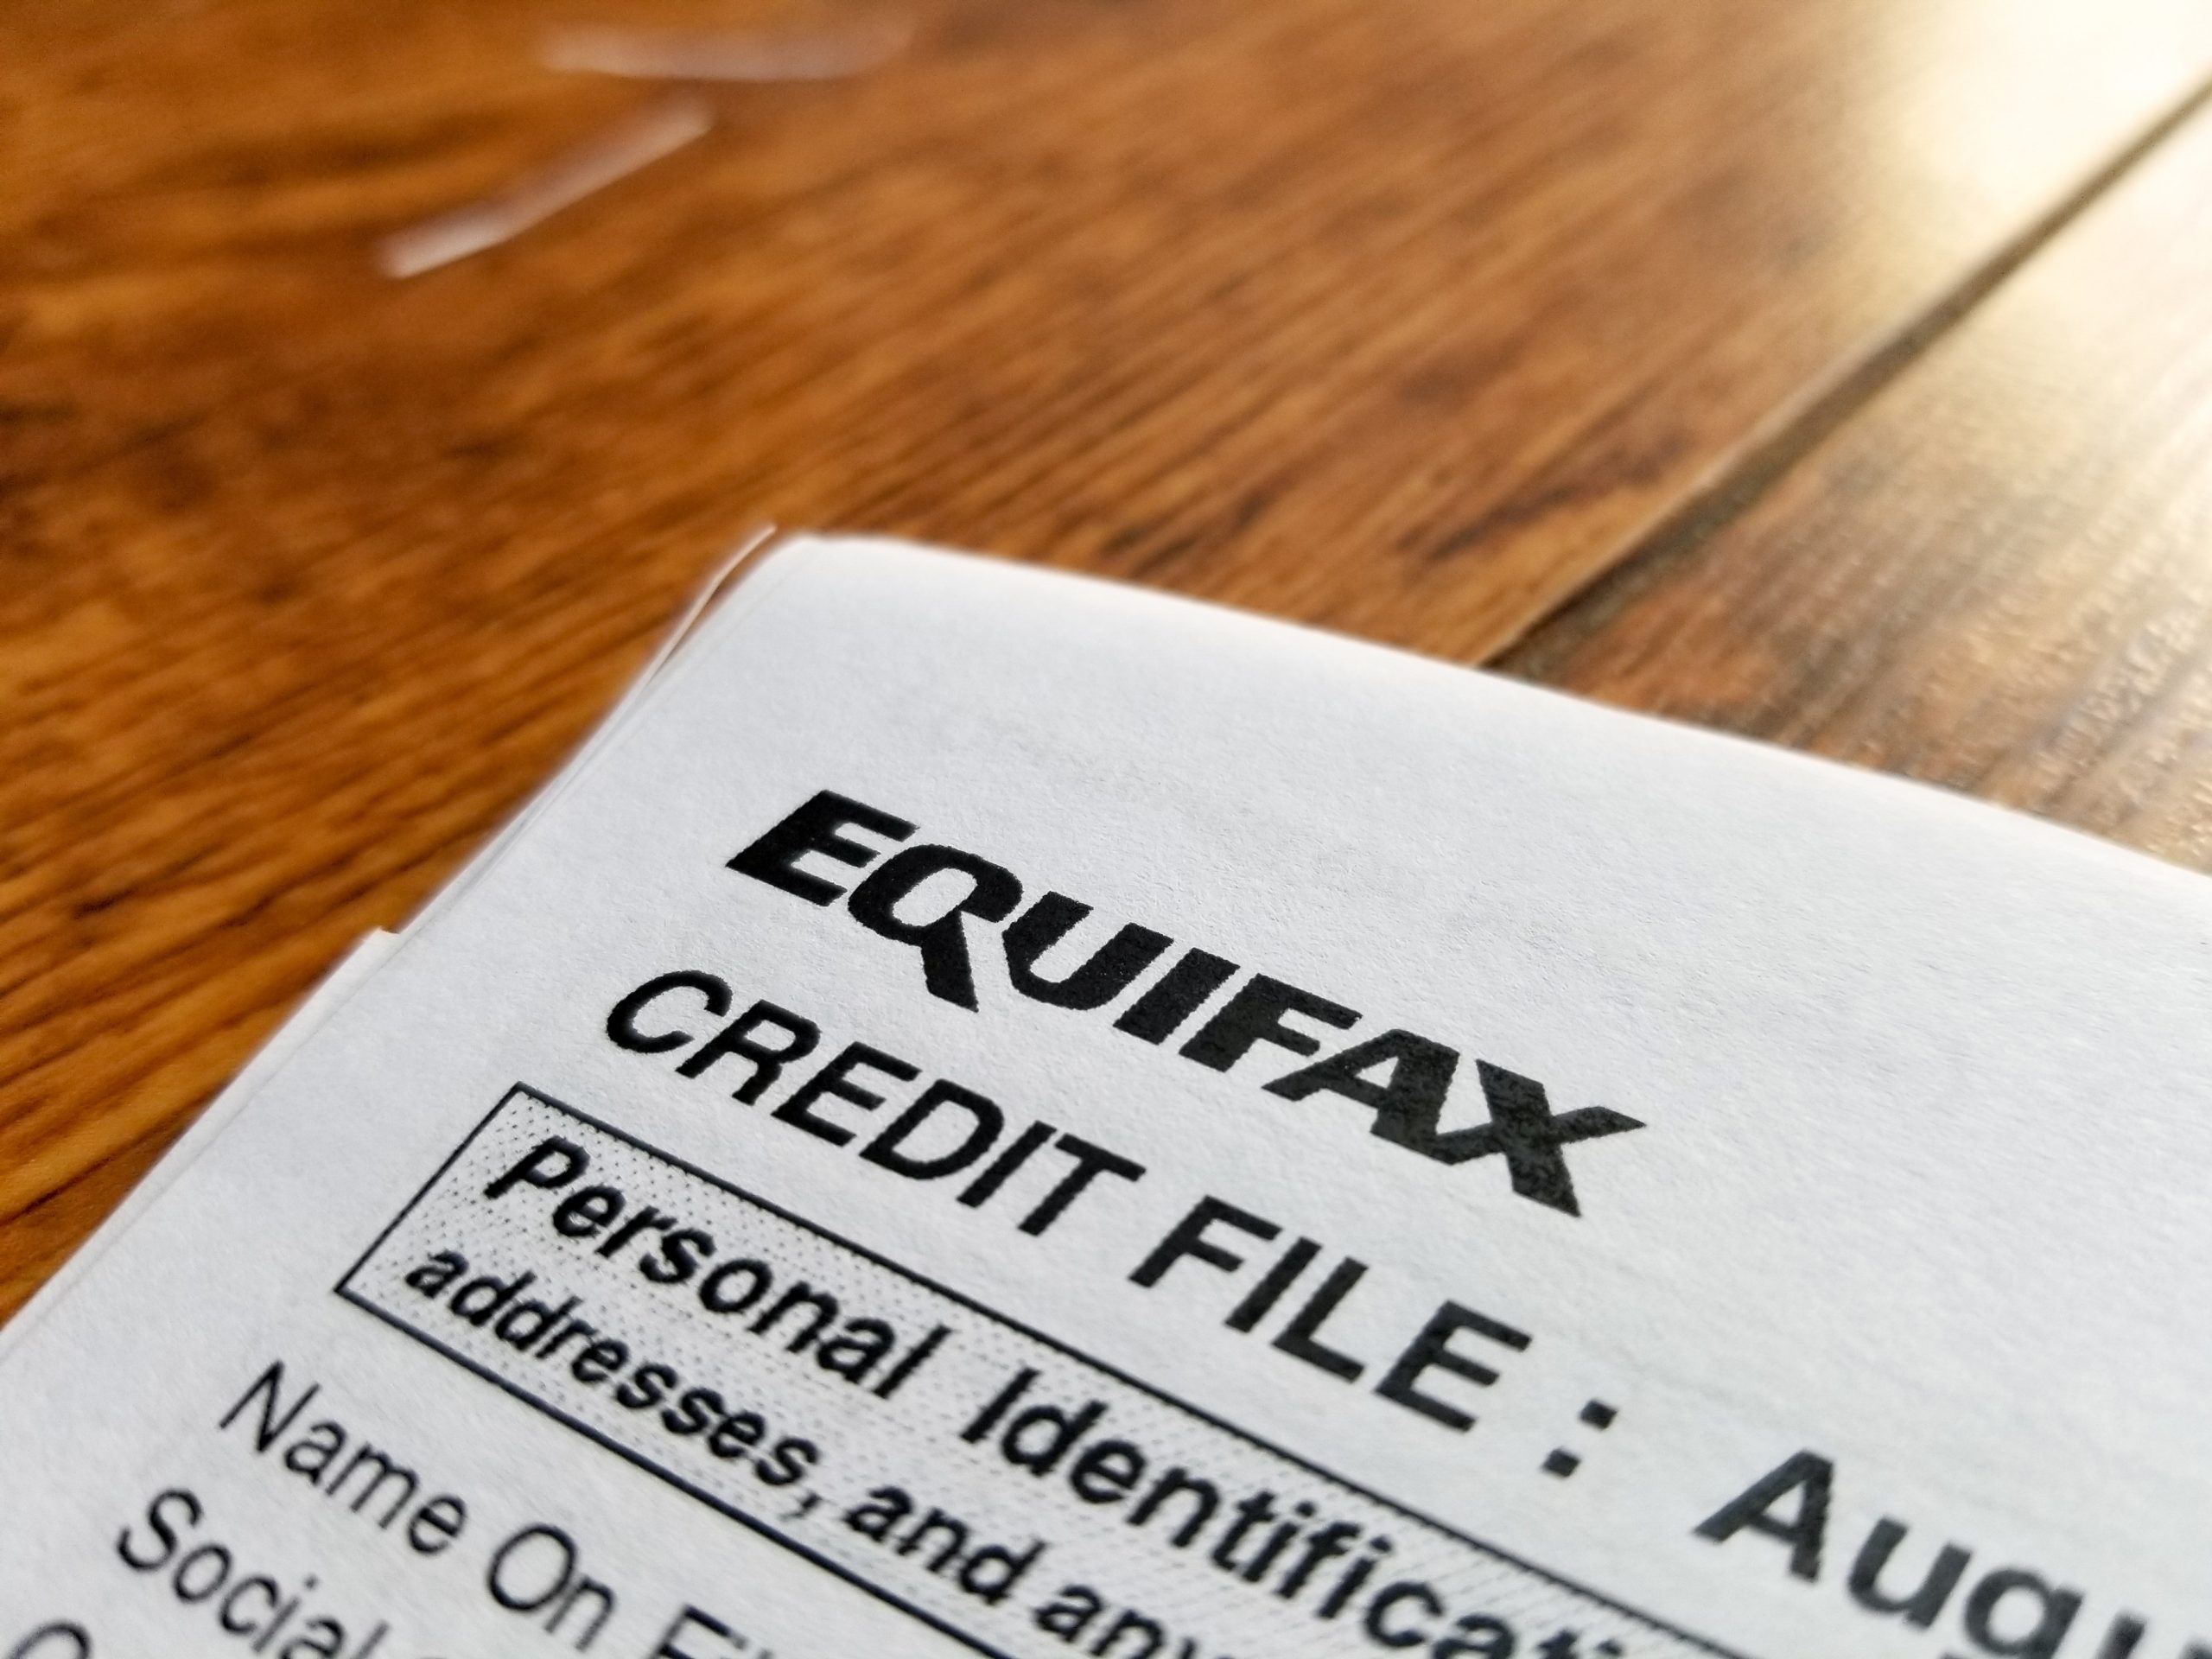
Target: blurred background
[377,379]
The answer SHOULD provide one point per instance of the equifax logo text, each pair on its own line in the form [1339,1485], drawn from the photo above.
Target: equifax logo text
[937,900]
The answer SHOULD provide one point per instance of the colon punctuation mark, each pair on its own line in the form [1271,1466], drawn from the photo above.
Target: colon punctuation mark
[1563,1463]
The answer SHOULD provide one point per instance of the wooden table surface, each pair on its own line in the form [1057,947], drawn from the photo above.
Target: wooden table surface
[1839,372]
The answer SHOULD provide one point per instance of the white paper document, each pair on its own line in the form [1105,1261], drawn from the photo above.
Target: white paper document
[996,1113]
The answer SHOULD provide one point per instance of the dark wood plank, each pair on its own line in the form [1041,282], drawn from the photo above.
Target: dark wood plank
[1395,315]
[1998,578]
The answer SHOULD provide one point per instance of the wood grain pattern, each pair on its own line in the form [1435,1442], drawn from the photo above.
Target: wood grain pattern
[1394,314]
[1999,576]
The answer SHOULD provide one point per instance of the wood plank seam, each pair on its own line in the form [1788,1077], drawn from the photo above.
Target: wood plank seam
[1741,476]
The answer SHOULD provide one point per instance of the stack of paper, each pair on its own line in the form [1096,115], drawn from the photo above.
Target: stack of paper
[992,1111]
